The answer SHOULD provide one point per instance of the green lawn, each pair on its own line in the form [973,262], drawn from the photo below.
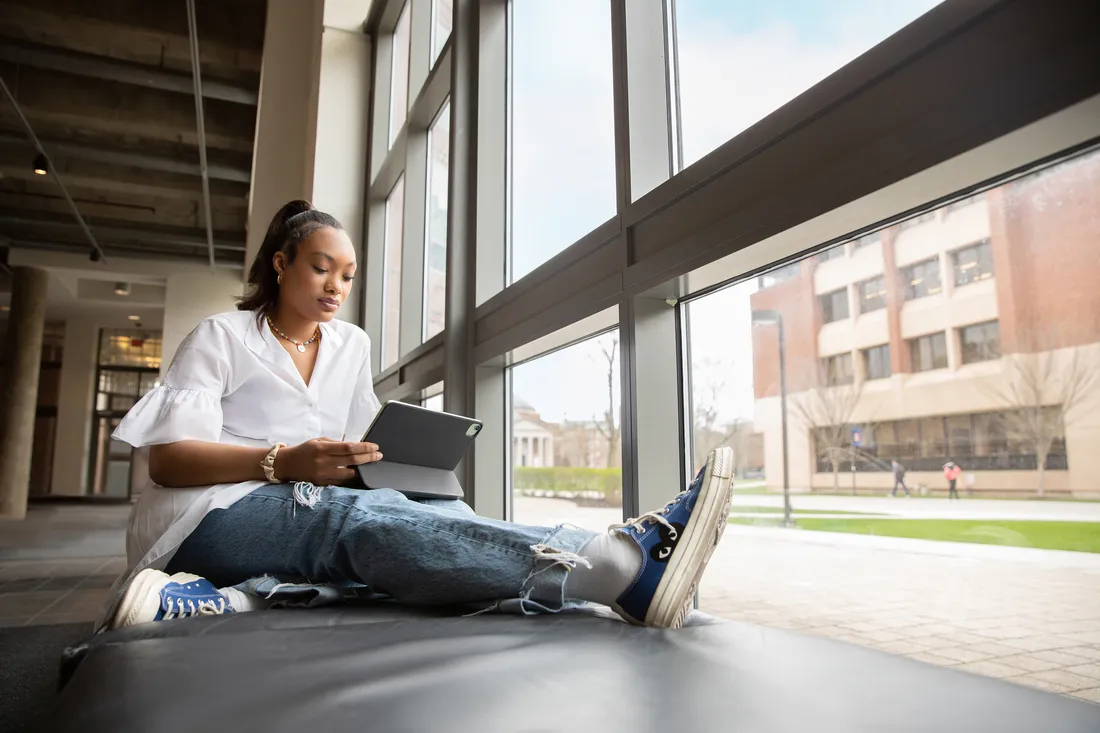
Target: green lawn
[737,509]
[1077,536]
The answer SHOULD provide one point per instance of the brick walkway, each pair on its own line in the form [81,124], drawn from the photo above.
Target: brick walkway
[1028,616]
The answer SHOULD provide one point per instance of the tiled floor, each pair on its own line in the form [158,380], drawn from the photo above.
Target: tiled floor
[57,565]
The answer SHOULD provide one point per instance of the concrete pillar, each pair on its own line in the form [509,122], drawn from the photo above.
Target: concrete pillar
[19,387]
[74,407]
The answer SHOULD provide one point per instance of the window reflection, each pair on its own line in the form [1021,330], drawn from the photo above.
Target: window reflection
[562,157]
[566,457]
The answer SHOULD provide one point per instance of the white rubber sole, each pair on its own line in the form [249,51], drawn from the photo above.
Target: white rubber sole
[141,601]
[676,592]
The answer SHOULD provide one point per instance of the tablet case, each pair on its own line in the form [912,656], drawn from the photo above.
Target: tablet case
[421,449]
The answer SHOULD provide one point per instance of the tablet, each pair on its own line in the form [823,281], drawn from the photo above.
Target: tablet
[420,448]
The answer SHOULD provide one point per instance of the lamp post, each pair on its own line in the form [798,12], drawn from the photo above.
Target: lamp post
[768,317]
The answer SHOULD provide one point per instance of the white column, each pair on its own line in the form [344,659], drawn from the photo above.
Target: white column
[286,118]
[74,408]
[342,132]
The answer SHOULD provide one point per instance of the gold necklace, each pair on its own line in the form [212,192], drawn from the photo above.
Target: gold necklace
[300,345]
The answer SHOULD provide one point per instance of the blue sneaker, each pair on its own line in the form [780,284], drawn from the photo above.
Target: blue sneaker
[676,543]
[156,596]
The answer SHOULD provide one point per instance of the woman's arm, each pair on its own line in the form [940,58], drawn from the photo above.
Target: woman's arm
[197,463]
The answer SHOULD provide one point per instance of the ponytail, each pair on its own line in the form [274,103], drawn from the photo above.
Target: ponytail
[293,223]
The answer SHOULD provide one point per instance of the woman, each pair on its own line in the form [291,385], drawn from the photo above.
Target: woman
[254,412]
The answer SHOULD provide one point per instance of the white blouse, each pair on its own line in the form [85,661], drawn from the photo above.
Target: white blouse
[232,382]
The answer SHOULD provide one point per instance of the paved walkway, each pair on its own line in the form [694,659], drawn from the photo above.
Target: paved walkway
[1030,616]
[1073,511]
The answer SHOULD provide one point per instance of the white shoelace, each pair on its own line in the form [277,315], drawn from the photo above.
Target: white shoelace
[656,517]
[180,609]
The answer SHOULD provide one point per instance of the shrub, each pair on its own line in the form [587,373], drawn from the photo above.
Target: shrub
[603,484]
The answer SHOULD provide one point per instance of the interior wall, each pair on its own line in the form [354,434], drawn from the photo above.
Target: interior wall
[189,298]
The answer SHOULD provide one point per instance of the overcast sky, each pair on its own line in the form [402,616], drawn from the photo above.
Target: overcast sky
[739,61]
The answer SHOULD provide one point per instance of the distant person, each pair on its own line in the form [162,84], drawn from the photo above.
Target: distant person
[899,478]
[951,472]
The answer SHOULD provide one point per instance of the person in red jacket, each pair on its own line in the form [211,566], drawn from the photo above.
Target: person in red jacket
[952,471]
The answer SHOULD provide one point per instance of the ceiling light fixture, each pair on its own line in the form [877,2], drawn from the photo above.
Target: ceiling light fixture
[122,288]
[134,318]
[41,165]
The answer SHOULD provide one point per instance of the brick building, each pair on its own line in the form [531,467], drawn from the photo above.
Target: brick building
[970,333]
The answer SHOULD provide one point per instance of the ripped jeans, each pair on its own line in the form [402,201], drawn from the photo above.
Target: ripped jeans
[423,552]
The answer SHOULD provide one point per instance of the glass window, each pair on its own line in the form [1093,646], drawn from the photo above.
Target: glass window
[566,457]
[924,218]
[739,61]
[435,258]
[834,305]
[980,342]
[921,279]
[876,362]
[972,263]
[872,294]
[928,352]
[838,370]
[442,13]
[399,74]
[831,254]
[781,274]
[867,240]
[958,435]
[562,157]
[933,439]
[391,274]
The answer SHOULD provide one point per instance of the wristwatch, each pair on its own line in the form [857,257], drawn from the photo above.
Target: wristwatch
[268,463]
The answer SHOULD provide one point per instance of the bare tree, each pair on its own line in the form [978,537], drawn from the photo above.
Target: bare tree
[709,379]
[1041,394]
[827,412]
[607,428]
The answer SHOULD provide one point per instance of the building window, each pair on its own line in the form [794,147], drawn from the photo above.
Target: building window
[834,305]
[831,254]
[972,263]
[922,219]
[928,352]
[780,274]
[399,77]
[838,369]
[922,279]
[872,294]
[391,274]
[980,342]
[962,203]
[876,362]
[435,260]
[867,240]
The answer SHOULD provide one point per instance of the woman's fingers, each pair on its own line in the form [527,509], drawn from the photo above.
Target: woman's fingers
[359,459]
[334,448]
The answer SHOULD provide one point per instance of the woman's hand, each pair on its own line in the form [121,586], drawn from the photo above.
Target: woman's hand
[323,461]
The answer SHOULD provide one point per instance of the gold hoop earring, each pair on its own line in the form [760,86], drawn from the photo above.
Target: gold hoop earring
[279,280]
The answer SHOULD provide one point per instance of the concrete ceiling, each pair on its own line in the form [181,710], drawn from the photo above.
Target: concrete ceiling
[107,87]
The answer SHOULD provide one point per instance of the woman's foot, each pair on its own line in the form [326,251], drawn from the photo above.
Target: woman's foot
[155,596]
[676,542]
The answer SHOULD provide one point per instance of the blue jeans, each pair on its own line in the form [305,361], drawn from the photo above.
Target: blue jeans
[424,552]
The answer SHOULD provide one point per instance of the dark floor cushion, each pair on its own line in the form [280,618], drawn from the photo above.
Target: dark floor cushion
[394,669]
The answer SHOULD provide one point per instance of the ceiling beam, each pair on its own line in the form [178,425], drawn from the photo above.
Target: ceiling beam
[125,72]
[114,233]
[133,160]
